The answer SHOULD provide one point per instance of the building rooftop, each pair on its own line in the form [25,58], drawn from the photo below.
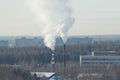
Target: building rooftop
[43,74]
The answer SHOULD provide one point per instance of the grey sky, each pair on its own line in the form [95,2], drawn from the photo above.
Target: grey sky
[92,17]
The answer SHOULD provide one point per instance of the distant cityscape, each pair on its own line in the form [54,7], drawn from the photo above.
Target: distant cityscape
[37,42]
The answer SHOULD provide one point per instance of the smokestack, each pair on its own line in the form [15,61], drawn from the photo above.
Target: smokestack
[65,59]
[53,61]
[56,17]
[80,61]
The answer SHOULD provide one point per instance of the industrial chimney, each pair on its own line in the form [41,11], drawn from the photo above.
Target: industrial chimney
[53,61]
[65,59]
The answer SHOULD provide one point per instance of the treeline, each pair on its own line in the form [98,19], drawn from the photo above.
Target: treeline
[8,72]
[41,55]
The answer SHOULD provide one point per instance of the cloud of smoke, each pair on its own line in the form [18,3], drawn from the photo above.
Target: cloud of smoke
[55,16]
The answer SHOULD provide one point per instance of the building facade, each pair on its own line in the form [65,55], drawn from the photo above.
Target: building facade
[28,42]
[4,43]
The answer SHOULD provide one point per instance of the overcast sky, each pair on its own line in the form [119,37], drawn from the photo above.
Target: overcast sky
[93,17]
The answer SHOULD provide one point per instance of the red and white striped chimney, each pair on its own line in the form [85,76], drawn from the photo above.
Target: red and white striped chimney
[53,61]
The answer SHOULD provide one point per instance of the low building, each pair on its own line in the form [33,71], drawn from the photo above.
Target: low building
[46,75]
[98,64]
[99,59]
[105,53]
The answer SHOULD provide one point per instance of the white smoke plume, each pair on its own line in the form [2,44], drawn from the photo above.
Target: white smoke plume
[56,17]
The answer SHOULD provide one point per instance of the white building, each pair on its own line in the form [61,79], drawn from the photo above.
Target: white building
[48,75]
[99,59]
